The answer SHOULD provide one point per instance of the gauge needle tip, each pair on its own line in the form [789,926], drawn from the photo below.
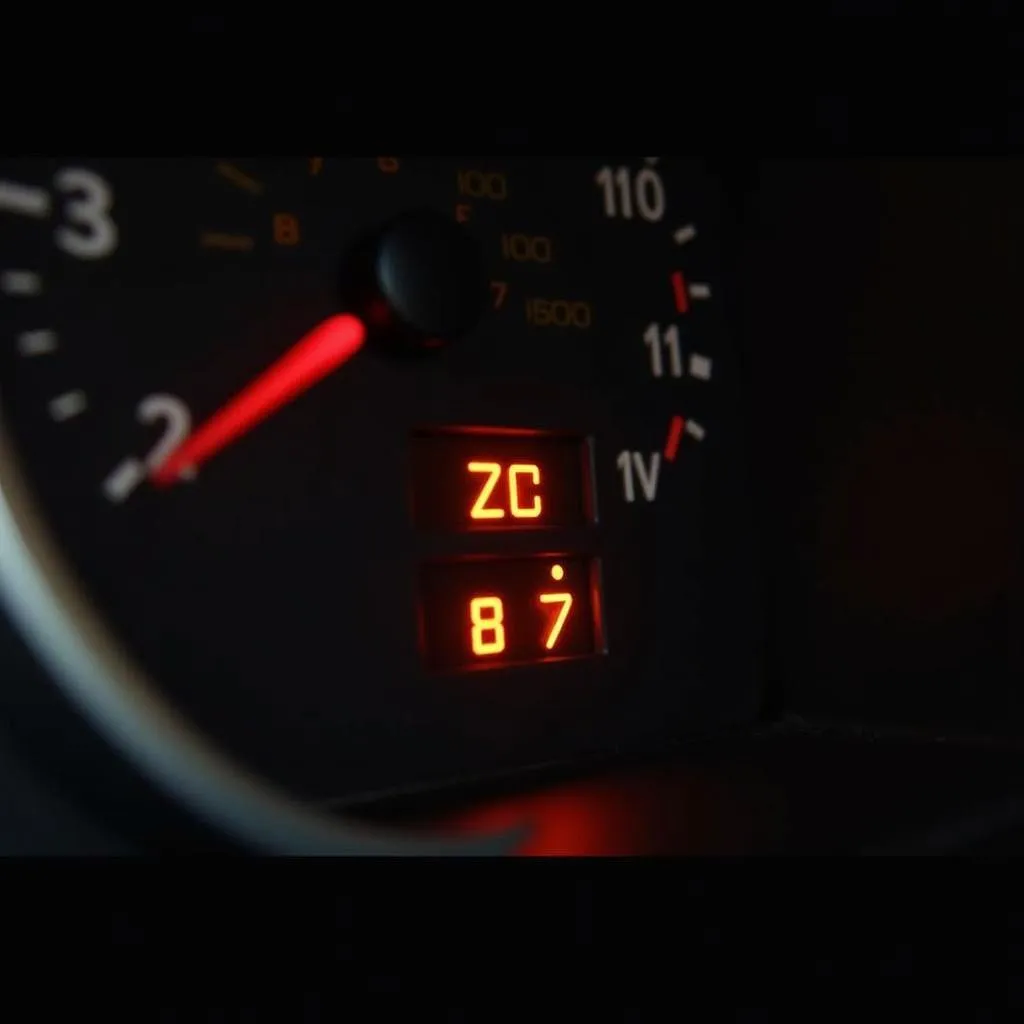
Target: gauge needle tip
[325,348]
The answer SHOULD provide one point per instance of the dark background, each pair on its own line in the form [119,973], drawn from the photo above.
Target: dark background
[878,324]
[881,337]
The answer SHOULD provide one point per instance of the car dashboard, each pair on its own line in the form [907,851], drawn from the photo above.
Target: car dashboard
[516,504]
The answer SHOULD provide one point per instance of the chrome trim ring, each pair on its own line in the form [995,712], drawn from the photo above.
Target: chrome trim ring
[115,694]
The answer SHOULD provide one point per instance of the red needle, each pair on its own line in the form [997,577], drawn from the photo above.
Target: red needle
[323,349]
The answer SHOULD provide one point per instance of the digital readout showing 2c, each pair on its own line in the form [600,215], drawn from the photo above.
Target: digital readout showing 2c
[471,481]
[489,611]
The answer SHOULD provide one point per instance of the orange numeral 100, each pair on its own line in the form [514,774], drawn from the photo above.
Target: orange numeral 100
[516,507]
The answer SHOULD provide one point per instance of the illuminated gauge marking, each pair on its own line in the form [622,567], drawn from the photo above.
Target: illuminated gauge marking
[286,229]
[67,406]
[658,340]
[683,292]
[700,367]
[679,292]
[37,343]
[20,282]
[239,178]
[23,199]
[687,233]
[222,240]
[675,435]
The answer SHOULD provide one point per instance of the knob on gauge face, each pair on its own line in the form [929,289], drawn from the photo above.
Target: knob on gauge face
[385,472]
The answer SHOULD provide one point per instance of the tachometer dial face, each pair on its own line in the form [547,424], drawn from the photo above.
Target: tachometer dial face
[388,471]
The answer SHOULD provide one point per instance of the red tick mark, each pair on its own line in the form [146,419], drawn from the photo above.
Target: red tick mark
[679,290]
[675,435]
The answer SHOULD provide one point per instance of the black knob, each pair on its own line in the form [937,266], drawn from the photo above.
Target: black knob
[419,282]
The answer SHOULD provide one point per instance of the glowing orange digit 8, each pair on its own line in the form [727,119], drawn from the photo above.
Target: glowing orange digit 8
[487,633]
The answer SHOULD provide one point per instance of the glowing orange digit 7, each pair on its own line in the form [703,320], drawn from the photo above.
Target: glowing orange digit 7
[514,472]
[565,600]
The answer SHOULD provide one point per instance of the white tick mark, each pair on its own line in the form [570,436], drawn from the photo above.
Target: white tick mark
[20,282]
[700,367]
[65,406]
[125,477]
[687,233]
[24,199]
[37,343]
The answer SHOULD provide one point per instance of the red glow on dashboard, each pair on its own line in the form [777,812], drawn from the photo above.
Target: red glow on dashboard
[671,809]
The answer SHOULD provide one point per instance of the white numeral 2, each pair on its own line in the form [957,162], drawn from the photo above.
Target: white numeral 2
[177,423]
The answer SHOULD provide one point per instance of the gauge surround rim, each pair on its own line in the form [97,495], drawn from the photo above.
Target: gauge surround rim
[115,694]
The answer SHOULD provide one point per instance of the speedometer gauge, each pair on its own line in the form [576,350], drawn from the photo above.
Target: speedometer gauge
[379,472]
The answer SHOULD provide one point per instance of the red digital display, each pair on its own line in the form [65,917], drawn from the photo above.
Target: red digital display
[489,613]
[500,480]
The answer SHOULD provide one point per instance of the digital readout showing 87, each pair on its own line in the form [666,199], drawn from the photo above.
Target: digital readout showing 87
[487,619]
[482,610]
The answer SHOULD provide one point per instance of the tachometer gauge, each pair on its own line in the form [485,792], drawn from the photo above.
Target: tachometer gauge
[375,473]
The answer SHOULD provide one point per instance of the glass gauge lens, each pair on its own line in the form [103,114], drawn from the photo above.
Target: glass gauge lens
[387,471]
